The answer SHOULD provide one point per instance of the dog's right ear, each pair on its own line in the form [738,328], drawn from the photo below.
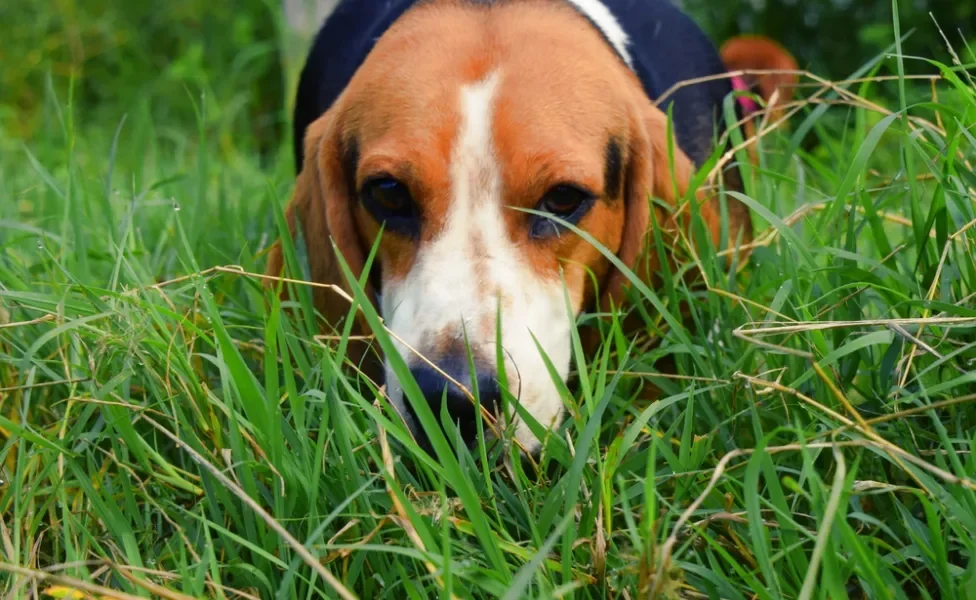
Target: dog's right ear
[322,205]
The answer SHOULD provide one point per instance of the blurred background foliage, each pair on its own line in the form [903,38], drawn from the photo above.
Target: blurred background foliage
[106,54]
[110,55]
[833,38]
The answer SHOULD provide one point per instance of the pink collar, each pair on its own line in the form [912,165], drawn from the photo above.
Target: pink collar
[748,104]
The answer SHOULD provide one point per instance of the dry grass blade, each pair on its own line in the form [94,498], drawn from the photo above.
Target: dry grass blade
[774,328]
[20,388]
[8,544]
[921,344]
[37,321]
[152,587]
[910,412]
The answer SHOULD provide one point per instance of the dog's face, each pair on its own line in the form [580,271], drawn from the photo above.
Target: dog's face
[521,106]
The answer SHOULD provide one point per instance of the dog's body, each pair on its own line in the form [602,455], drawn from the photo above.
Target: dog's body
[433,117]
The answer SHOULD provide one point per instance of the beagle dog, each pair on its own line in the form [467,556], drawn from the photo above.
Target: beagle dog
[431,123]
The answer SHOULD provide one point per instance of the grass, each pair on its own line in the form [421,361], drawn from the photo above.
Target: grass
[166,431]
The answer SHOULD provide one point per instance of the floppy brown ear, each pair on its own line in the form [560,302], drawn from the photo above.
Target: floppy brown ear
[665,173]
[655,169]
[759,53]
[321,205]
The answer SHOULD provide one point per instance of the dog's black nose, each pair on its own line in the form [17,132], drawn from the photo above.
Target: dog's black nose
[439,391]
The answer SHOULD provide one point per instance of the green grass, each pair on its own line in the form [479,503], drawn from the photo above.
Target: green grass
[166,430]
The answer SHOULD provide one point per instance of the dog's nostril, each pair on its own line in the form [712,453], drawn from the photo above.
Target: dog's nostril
[439,391]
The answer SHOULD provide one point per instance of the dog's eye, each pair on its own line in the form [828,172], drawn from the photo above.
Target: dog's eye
[564,201]
[387,194]
[390,202]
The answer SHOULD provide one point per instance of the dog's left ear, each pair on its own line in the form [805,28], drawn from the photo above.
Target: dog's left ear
[662,170]
[759,53]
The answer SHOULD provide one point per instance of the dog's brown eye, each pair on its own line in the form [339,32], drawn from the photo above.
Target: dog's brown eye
[388,194]
[563,200]
[566,202]
[390,202]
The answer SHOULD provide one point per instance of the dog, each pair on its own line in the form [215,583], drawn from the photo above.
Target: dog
[436,121]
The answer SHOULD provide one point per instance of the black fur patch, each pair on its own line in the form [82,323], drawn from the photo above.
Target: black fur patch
[613,170]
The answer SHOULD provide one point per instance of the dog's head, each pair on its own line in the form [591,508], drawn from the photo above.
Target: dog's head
[441,140]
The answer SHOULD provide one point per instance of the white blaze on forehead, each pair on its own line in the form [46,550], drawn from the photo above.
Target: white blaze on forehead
[458,279]
[606,22]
